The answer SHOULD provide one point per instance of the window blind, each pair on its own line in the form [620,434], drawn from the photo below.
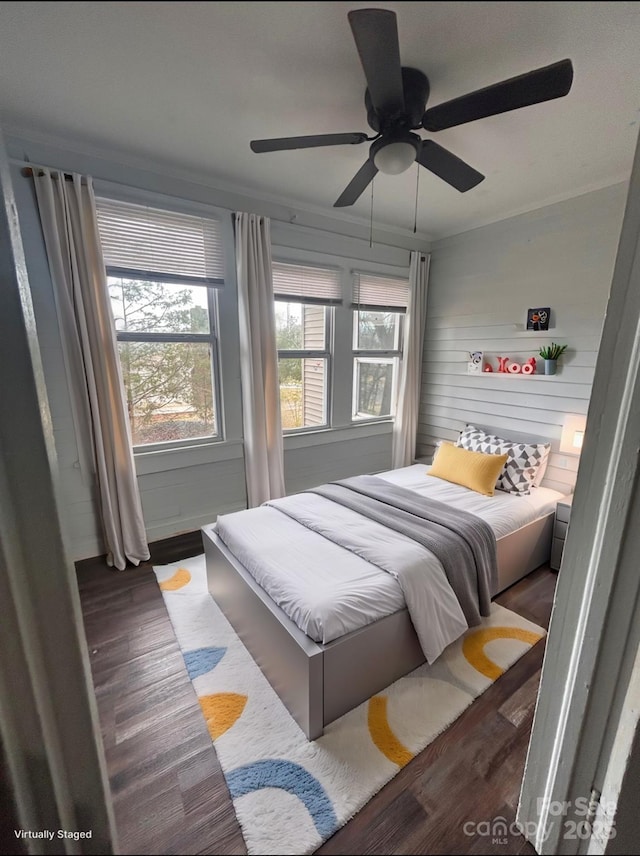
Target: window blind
[375,293]
[140,240]
[306,284]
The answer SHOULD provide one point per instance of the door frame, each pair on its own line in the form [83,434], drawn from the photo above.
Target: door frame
[594,632]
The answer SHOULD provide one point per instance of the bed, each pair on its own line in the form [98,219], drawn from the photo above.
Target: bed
[360,650]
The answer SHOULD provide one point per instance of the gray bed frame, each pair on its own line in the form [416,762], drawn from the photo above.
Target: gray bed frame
[318,683]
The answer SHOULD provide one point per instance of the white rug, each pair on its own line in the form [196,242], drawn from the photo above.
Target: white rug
[290,795]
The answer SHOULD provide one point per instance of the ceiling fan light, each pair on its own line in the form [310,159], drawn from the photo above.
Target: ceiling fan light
[395,158]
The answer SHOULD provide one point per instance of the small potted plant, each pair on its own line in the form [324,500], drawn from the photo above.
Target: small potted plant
[550,354]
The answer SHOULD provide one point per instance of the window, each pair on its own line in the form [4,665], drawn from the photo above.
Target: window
[379,304]
[304,297]
[163,270]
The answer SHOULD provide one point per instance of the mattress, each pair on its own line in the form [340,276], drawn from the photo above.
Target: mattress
[504,512]
[329,591]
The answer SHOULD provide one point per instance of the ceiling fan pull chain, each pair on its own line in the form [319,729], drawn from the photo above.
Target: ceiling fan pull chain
[373,181]
[415,213]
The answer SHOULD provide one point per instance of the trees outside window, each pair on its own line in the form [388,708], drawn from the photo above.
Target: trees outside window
[166,341]
[164,268]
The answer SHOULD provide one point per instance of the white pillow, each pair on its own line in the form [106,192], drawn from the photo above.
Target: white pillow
[524,467]
[537,480]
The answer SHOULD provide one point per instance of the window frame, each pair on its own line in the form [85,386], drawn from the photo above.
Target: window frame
[373,355]
[211,338]
[307,353]
[287,249]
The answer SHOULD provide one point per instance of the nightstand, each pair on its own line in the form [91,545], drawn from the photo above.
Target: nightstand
[560,526]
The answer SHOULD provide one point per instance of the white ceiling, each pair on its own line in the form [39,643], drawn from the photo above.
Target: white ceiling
[188,85]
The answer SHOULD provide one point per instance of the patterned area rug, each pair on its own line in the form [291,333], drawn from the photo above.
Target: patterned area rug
[290,794]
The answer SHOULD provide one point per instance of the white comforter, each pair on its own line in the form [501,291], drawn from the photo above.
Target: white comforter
[328,590]
[434,609]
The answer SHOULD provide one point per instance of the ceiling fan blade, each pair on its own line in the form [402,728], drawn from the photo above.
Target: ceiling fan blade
[543,84]
[376,35]
[357,185]
[448,167]
[284,143]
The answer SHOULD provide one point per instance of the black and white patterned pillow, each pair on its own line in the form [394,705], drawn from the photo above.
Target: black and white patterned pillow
[524,460]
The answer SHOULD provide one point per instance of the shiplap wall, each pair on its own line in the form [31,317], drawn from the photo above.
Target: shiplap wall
[481,284]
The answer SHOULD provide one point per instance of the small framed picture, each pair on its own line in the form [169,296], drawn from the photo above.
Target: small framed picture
[474,366]
[538,319]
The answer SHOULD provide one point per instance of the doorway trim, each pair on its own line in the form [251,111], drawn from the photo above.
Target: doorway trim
[595,623]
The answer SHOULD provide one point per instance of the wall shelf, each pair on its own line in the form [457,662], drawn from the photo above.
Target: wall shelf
[537,376]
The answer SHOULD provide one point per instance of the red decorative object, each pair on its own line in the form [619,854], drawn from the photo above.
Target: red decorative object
[487,367]
[507,366]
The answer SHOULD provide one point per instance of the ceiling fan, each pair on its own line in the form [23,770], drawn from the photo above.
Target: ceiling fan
[395,99]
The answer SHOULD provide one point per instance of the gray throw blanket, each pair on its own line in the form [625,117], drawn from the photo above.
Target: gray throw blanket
[463,543]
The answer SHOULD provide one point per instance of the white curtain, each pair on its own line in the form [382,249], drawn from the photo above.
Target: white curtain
[405,426]
[68,216]
[263,453]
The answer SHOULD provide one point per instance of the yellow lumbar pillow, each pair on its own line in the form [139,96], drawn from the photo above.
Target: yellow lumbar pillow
[475,470]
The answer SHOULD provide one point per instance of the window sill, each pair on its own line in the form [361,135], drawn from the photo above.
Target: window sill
[372,420]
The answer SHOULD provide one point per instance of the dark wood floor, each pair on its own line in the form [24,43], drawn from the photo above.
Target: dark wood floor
[168,790]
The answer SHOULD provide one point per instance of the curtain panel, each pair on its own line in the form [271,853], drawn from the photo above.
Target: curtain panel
[405,426]
[263,448]
[68,215]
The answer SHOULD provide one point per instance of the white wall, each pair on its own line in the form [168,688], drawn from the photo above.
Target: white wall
[184,489]
[481,284]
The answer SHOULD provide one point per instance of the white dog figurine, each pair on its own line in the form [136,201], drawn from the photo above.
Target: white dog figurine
[474,366]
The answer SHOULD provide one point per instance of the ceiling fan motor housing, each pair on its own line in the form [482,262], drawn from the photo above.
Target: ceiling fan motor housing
[415,87]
